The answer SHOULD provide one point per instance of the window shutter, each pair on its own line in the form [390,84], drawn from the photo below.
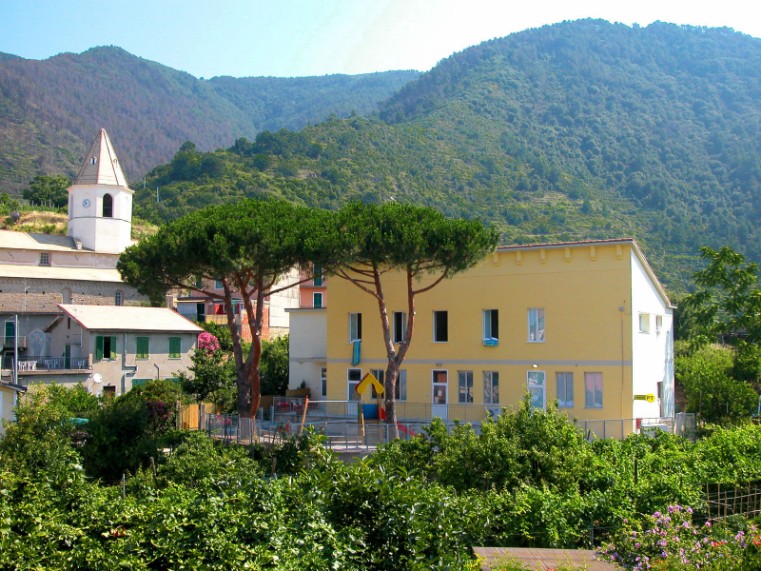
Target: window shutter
[174,347]
[142,347]
[99,347]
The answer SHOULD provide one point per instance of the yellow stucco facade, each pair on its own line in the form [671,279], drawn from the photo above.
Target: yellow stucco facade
[564,320]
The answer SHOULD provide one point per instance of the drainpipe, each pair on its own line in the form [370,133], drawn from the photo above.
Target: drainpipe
[15,349]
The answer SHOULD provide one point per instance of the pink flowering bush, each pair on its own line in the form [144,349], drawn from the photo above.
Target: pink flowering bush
[208,342]
[671,542]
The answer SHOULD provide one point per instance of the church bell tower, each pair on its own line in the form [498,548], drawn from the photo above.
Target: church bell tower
[100,202]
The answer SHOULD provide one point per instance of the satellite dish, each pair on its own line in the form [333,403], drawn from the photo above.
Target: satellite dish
[97,378]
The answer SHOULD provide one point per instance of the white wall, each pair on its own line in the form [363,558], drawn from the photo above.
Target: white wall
[652,352]
[307,348]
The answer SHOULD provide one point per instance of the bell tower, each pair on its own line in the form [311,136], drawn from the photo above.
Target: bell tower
[100,202]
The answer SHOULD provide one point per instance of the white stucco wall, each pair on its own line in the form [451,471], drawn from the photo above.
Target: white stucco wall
[652,350]
[284,300]
[307,348]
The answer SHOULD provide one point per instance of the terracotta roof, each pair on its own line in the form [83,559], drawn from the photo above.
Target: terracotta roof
[541,559]
[128,318]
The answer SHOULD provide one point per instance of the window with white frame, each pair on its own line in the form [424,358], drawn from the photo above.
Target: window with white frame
[355,327]
[491,387]
[537,388]
[644,323]
[317,299]
[118,297]
[400,326]
[353,377]
[536,325]
[440,379]
[218,284]
[401,386]
[440,326]
[400,391]
[564,382]
[491,326]
[593,390]
[465,386]
[658,323]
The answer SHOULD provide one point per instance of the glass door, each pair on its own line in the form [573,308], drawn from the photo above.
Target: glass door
[439,398]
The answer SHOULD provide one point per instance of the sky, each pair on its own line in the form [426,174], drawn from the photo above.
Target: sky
[296,38]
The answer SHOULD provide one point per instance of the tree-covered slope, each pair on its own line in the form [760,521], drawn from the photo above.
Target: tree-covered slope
[51,109]
[578,130]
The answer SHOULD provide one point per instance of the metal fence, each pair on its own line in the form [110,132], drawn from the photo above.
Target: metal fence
[343,427]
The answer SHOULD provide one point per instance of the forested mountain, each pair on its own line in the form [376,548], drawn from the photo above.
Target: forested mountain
[578,130]
[51,109]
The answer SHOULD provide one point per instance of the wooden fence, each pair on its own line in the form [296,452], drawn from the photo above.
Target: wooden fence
[724,500]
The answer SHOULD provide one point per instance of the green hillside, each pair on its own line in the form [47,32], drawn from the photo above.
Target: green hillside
[578,130]
[51,109]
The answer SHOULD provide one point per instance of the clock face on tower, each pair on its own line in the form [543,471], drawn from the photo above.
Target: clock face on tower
[86,203]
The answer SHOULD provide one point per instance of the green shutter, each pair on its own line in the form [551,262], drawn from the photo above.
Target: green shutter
[99,347]
[175,347]
[142,348]
[113,348]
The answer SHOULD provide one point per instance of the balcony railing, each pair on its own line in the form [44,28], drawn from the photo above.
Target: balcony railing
[45,363]
[9,342]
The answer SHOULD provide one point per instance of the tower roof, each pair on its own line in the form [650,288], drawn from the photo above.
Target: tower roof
[101,165]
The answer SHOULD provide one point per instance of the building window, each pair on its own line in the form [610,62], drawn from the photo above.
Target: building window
[44,258]
[353,377]
[593,390]
[317,276]
[465,386]
[401,386]
[317,299]
[400,391]
[218,284]
[491,387]
[108,206]
[536,325]
[379,374]
[440,327]
[324,381]
[105,347]
[564,389]
[175,347]
[142,350]
[440,387]
[658,324]
[355,327]
[491,327]
[400,326]
[535,381]
[644,323]
[118,297]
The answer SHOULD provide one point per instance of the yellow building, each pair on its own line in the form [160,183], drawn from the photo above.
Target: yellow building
[584,324]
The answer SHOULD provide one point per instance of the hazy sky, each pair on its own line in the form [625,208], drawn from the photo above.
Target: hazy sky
[288,38]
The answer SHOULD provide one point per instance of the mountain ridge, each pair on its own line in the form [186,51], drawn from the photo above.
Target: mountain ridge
[49,109]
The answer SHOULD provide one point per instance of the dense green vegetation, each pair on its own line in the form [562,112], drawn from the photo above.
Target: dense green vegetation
[578,130]
[528,479]
[51,109]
